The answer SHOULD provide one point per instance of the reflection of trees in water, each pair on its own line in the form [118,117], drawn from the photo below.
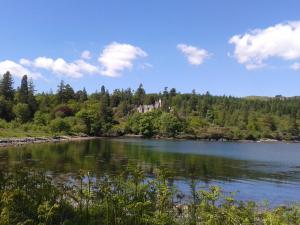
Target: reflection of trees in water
[111,157]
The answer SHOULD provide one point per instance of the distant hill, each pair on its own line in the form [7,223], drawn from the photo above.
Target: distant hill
[253,97]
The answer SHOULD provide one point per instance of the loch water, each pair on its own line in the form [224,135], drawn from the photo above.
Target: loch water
[255,171]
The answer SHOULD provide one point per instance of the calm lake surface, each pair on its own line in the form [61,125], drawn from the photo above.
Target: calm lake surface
[258,171]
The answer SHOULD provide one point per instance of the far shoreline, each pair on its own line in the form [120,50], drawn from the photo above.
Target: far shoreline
[262,140]
[20,141]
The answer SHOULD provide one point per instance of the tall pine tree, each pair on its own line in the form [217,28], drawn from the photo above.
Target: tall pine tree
[32,103]
[139,95]
[6,87]
[60,91]
[105,110]
[65,92]
[23,91]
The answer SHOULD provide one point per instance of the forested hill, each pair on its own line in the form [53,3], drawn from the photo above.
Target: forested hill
[168,114]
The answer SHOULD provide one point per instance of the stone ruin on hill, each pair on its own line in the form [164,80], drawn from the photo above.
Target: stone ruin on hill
[148,108]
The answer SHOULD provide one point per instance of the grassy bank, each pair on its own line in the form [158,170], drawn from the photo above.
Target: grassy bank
[21,133]
[15,138]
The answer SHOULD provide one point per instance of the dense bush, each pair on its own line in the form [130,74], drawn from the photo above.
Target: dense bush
[170,125]
[145,124]
[62,111]
[41,118]
[60,125]
[3,124]
[22,112]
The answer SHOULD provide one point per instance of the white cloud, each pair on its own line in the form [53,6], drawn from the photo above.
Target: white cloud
[194,55]
[87,67]
[113,60]
[117,57]
[17,70]
[25,62]
[253,48]
[59,66]
[295,66]
[86,55]
[43,62]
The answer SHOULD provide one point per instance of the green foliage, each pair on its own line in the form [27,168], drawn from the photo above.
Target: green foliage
[3,124]
[28,197]
[145,124]
[65,92]
[59,125]
[139,96]
[88,117]
[5,109]
[31,100]
[23,91]
[81,95]
[77,126]
[6,87]
[31,197]
[41,119]
[169,114]
[22,112]
[169,124]
[62,111]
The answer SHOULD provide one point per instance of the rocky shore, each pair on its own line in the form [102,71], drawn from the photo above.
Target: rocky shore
[5,142]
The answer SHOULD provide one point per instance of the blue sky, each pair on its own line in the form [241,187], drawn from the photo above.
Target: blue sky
[181,44]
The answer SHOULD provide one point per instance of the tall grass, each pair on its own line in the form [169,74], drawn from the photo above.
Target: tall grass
[30,197]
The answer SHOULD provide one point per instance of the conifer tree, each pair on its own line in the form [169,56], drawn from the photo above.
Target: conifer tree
[65,92]
[84,95]
[103,90]
[60,91]
[6,87]
[23,91]
[32,103]
[105,110]
[139,95]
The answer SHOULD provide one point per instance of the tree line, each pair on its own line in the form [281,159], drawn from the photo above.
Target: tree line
[181,115]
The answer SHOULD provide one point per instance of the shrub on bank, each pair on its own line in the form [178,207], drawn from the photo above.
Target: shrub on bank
[59,125]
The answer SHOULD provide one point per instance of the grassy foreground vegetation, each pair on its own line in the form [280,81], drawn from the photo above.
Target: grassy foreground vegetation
[26,113]
[32,198]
